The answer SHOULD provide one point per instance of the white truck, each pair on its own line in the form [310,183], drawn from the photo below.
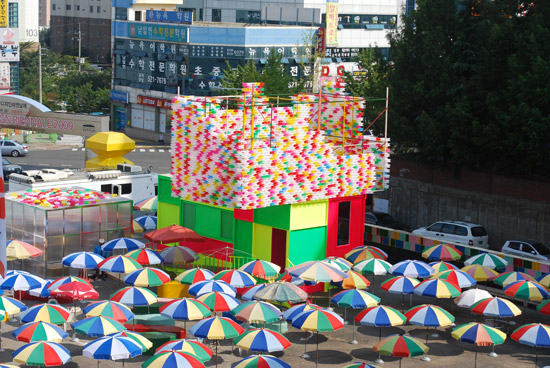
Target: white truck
[129,181]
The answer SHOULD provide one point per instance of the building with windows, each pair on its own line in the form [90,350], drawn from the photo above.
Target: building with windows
[157,53]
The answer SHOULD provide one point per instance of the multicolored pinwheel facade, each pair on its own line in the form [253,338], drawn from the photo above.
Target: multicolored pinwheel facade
[267,176]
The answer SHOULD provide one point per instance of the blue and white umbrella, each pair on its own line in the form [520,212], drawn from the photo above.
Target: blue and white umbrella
[249,294]
[21,281]
[147,222]
[411,268]
[86,260]
[207,286]
[297,309]
[112,348]
[42,291]
[122,243]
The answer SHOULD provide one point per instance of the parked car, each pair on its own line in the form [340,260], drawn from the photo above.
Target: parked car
[456,232]
[528,249]
[13,148]
[385,220]
[9,168]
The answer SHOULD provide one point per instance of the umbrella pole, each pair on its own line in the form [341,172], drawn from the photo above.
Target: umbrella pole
[400,359]
[402,302]
[1,337]
[305,355]
[216,353]
[475,361]
[353,341]
[317,359]
[536,356]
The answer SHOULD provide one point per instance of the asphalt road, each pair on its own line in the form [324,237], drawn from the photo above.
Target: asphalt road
[67,158]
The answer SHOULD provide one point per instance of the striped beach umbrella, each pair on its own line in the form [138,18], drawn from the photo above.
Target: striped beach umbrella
[526,290]
[97,326]
[281,291]
[297,309]
[147,277]
[355,298]
[536,335]
[42,353]
[208,286]
[488,260]
[108,308]
[480,273]
[20,282]
[469,297]
[39,331]
[84,260]
[262,340]
[41,291]
[119,264]
[112,348]
[365,252]
[133,295]
[478,334]
[66,280]
[11,306]
[16,249]
[251,292]
[354,281]
[185,309]
[442,252]
[173,359]
[216,328]
[381,316]
[411,268]
[122,243]
[147,222]
[341,263]
[506,278]
[495,307]
[147,204]
[372,266]
[194,275]
[428,315]
[544,307]
[443,266]
[261,269]
[178,255]
[401,346]
[50,313]
[257,312]
[544,280]
[235,278]
[400,285]
[455,277]
[144,342]
[198,349]
[295,280]
[318,271]
[437,288]
[261,361]
[145,256]
[219,302]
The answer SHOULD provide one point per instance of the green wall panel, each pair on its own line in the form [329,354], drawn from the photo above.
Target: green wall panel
[243,236]
[307,245]
[274,216]
[165,190]
[188,215]
[168,214]
[261,242]
[208,221]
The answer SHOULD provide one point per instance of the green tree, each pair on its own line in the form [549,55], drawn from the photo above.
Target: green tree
[371,86]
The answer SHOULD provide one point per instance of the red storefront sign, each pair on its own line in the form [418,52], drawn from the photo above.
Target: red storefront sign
[154,102]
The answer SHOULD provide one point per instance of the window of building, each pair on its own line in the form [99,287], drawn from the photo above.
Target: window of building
[68,7]
[106,188]
[216,15]
[14,78]
[126,188]
[368,21]
[121,14]
[138,16]
[69,19]
[78,7]
[91,9]
[98,9]
[53,7]
[344,211]
[13,15]
[247,16]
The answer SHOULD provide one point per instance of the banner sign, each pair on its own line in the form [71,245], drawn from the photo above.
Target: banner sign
[3,256]
[9,44]
[332,23]
[5,76]
[3,13]
[154,102]
[164,16]
[321,42]
[118,96]
[158,32]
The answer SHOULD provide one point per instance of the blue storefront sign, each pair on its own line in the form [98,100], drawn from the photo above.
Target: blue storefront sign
[169,16]
[158,32]
[118,96]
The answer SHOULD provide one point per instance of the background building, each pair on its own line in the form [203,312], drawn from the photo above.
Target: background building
[157,53]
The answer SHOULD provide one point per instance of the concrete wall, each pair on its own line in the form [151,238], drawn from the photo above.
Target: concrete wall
[418,201]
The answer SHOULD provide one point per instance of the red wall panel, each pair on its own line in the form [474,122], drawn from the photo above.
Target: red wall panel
[356,226]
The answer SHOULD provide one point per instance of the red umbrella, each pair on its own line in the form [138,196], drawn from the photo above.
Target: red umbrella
[173,234]
[76,291]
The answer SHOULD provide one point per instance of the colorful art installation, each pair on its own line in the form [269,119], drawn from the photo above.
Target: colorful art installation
[58,198]
[260,154]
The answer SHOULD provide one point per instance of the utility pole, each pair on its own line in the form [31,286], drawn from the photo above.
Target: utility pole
[79,47]
[39,72]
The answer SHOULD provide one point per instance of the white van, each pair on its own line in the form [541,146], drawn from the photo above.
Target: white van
[456,232]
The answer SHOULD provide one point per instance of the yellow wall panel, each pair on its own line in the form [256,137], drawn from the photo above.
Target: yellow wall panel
[308,214]
[261,242]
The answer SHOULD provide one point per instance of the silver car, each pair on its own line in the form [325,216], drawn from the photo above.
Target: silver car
[528,249]
[13,148]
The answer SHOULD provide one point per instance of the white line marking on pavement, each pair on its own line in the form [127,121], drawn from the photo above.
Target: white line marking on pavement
[141,150]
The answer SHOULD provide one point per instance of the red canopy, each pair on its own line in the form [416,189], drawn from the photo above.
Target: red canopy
[173,234]
[76,290]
